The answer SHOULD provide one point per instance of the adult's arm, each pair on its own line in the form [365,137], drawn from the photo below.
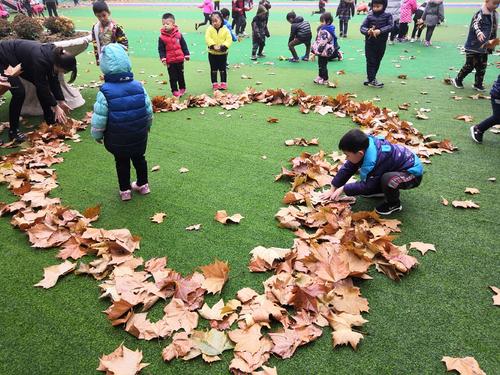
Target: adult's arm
[99,117]
[44,85]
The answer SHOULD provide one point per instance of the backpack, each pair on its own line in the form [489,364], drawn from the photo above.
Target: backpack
[323,45]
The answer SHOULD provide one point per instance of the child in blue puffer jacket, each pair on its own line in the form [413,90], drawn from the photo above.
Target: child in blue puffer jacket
[122,118]
[325,47]
[384,169]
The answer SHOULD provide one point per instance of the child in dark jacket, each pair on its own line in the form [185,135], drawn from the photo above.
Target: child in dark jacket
[122,117]
[483,28]
[376,28]
[345,11]
[259,33]
[325,47]
[173,50]
[418,26]
[478,130]
[384,169]
[300,33]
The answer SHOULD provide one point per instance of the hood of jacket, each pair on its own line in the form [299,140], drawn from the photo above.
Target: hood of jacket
[298,19]
[329,28]
[114,60]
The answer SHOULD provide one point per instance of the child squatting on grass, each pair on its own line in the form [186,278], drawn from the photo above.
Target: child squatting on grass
[218,39]
[376,28]
[300,33]
[122,118]
[384,169]
[105,31]
[173,51]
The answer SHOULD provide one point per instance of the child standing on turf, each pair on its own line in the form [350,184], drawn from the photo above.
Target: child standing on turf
[105,31]
[384,169]
[408,8]
[225,15]
[173,51]
[207,7]
[376,28]
[300,33]
[218,41]
[216,5]
[345,11]
[433,16]
[418,27]
[325,47]
[321,7]
[478,130]
[259,33]
[122,117]
[483,29]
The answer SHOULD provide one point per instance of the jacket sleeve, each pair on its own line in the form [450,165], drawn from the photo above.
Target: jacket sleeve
[184,47]
[99,117]
[94,43]
[293,32]
[43,86]
[362,187]
[344,174]
[364,26]
[233,35]
[209,39]
[120,37]
[55,87]
[424,15]
[353,9]
[162,51]
[228,40]
[387,28]
[441,12]
[149,108]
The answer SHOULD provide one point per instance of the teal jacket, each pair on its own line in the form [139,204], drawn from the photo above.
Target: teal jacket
[129,96]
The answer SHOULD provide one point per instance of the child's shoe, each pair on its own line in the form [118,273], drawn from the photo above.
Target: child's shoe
[391,42]
[341,35]
[215,86]
[143,190]
[340,55]
[366,83]
[261,55]
[458,84]
[182,92]
[293,60]
[427,43]
[176,94]
[126,195]
[318,80]
[478,87]
[376,84]
[305,58]
[388,208]
[412,40]
[476,135]
[223,86]
[253,58]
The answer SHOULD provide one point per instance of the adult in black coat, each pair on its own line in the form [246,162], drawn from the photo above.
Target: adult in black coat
[41,65]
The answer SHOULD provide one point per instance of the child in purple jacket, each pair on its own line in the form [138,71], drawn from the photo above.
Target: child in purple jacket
[384,169]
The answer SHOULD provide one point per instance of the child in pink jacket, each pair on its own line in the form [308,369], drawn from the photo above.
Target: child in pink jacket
[408,8]
[207,8]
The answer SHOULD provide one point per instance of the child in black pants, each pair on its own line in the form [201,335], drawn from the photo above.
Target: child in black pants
[218,39]
[376,28]
[259,33]
[418,27]
[478,130]
[325,47]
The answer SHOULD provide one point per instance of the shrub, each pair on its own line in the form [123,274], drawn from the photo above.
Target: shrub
[26,27]
[5,28]
[60,25]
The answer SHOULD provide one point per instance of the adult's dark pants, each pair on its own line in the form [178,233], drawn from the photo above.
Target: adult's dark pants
[323,67]
[374,52]
[52,9]
[394,31]
[494,119]
[122,162]
[429,32]
[477,61]
[218,64]
[296,42]
[392,182]
[403,30]
[16,104]
[258,46]
[343,23]
[176,75]
[416,30]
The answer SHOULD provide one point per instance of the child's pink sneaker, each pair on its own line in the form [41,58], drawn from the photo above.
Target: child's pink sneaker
[182,92]
[223,86]
[126,195]
[215,86]
[143,190]
[318,80]
[176,94]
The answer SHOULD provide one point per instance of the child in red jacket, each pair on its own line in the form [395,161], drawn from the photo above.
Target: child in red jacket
[173,51]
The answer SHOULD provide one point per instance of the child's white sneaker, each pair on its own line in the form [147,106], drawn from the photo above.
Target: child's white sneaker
[319,81]
[143,190]
[126,195]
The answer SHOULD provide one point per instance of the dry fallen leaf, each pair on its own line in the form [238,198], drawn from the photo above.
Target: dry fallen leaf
[471,190]
[216,275]
[222,217]
[155,168]
[444,201]
[194,227]
[183,170]
[272,120]
[92,213]
[13,71]
[122,361]
[464,366]
[158,217]
[496,297]
[465,118]
[422,247]
[51,274]
[492,179]
[404,106]
[402,76]
[464,204]
[421,116]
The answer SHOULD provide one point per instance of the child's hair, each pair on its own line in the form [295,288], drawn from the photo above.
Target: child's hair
[290,16]
[167,16]
[380,2]
[353,141]
[100,6]
[66,61]
[326,18]
[225,12]
[218,14]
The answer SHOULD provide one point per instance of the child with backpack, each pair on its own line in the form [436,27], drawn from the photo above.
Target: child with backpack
[300,33]
[325,47]
[218,40]
[122,118]
[259,33]
[345,11]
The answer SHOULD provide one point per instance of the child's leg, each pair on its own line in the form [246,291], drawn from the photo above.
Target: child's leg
[394,31]
[323,67]
[172,75]
[308,48]
[123,171]
[429,32]
[380,55]
[141,169]
[262,44]
[346,24]
[371,61]
[419,32]
[403,30]
[392,182]
[480,64]
[467,68]
[180,76]
[415,29]
[207,19]
[213,67]
[291,47]
[255,47]
[493,119]
[222,67]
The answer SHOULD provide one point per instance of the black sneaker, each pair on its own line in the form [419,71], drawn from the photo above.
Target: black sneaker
[376,84]
[366,83]
[476,135]
[18,137]
[388,208]
[479,88]
[457,84]
[261,55]
[253,58]
[377,195]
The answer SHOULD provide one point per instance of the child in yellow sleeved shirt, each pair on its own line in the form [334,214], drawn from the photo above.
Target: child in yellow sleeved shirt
[218,39]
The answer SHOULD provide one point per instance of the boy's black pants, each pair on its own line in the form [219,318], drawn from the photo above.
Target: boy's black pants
[216,5]
[403,30]
[394,31]
[323,67]
[295,42]
[176,75]
[392,182]
[218,63]
[493,119]
[374,52]
[122,162]
[478,61]
[241,23]
[343,23]
[258,46]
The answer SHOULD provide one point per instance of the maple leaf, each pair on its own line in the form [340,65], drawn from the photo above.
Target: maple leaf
[122,361]
[117,309]
[246,294]
[269,255]
[155,168]
[466,118]
[422,247]
[343,333]
[464,204]
[92,213]
[183,170]
[285,342]
[248,339]
[421,116]
[51,274]
[496,297]
[213,313]
[464,366]
[272,120]
[13,71]
[402,76]
[444,201]
[158,217]
[471,191]
[222,217]
[492,179]
[181,345]
[266,371]
[211,343]
[216,275]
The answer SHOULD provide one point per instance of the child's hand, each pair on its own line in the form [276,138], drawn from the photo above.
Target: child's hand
[332,194]
[164,61]
[481,37]
[187,58]
[312,57]
[217,48]
[376,33]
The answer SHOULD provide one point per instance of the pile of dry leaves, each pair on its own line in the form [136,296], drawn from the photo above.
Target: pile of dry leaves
[312,285]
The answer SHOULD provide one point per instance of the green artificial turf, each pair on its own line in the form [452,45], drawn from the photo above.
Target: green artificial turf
[444,307]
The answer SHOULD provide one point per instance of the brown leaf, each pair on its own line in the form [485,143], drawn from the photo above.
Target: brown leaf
[404,106]
[496,297]
[122,361]
[471,191]
[181,345]
[464,366]
[342,325]
[444,201]
[51,274]
[216,275]
[92,213]
[464,204]
[272,120]
[158,217]
[155,168]
[466,118]
[222,217]
[402,76]
[422,247]
[421,116]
